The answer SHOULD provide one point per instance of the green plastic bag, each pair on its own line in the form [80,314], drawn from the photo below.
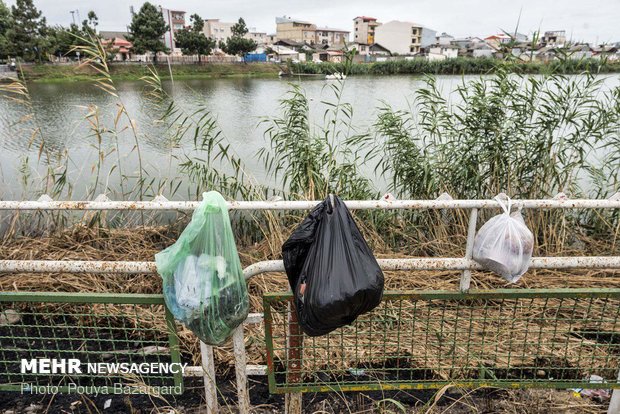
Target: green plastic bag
[203,281]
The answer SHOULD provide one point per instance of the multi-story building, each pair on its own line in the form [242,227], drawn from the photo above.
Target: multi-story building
[175,19]
[259,37]
[331,37]
[404,38]
[297,30]
[364,30]
[555,38]
[217,30]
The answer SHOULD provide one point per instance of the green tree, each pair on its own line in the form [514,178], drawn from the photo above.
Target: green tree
[89,25]
[63,39]
[27,35]
[6,22]
[192,40]
[237,44]
[147,29]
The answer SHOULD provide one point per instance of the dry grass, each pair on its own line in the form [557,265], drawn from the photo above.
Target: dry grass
[82,243]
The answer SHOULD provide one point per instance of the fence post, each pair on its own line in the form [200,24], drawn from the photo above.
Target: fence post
[469,247]
[293,400]
[208,367]
[614,403]
[243,395]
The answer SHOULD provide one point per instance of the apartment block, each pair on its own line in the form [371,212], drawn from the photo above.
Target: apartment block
[404,38]
[297,30]
[260,38]
[364,29]
[175,19]
[331,37]
[217,30]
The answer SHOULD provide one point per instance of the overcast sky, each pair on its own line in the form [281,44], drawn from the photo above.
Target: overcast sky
[588,20]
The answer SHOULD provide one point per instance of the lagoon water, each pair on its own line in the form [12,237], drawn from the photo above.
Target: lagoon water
[238,104]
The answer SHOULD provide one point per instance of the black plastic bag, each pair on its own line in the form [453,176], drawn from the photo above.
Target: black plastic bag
[332,271]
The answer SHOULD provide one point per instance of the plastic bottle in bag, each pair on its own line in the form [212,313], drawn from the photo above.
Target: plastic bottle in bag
[504,244]
[203,281]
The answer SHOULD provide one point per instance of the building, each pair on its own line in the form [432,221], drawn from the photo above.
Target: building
[554,38]
[217,30]
[175,19]
[404,38]
[480,50]
[283,54]
[548,53]
[466,42]
[444,39]
[332,56]
[497,40]
[296,30]
[442,52]
[582,51]
[364,30]
[607,52]
[374,49]
[259,37]
[331,37]
[117,44]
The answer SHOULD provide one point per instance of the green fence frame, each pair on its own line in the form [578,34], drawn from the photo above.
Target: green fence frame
[37,324]
[506,338]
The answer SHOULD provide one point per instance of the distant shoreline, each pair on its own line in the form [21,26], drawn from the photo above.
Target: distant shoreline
[457,66]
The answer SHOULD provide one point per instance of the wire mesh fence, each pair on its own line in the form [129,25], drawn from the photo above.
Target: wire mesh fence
[503,338]
[119,340]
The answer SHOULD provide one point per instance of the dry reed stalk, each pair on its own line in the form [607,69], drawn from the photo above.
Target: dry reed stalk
[81,243]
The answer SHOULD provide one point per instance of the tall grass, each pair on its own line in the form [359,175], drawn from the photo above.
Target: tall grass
[528,136]
[460,66]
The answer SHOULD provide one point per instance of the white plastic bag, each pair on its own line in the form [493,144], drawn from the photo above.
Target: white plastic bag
[504,244]
[187,284]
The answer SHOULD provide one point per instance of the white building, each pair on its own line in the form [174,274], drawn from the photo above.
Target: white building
[442,52]
[217,30]
[481,50]
[444,39]
[404,38]
[259,37]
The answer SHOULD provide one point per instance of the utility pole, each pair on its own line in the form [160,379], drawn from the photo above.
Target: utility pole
[72,15]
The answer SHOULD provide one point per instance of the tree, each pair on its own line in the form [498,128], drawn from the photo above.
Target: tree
[27,35]
[6,22]
[63,40]
[147,29]
[89,25]
[192,40]
[237,44]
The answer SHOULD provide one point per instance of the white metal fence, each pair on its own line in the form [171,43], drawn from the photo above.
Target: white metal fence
[242,369]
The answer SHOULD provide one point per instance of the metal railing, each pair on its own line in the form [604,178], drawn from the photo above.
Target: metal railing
[465,264]
[94,328]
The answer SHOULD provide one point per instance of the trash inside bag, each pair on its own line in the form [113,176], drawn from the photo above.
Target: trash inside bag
[332,271]
[504,244]
[203,281]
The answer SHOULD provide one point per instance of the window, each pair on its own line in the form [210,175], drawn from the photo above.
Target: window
[414,31]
